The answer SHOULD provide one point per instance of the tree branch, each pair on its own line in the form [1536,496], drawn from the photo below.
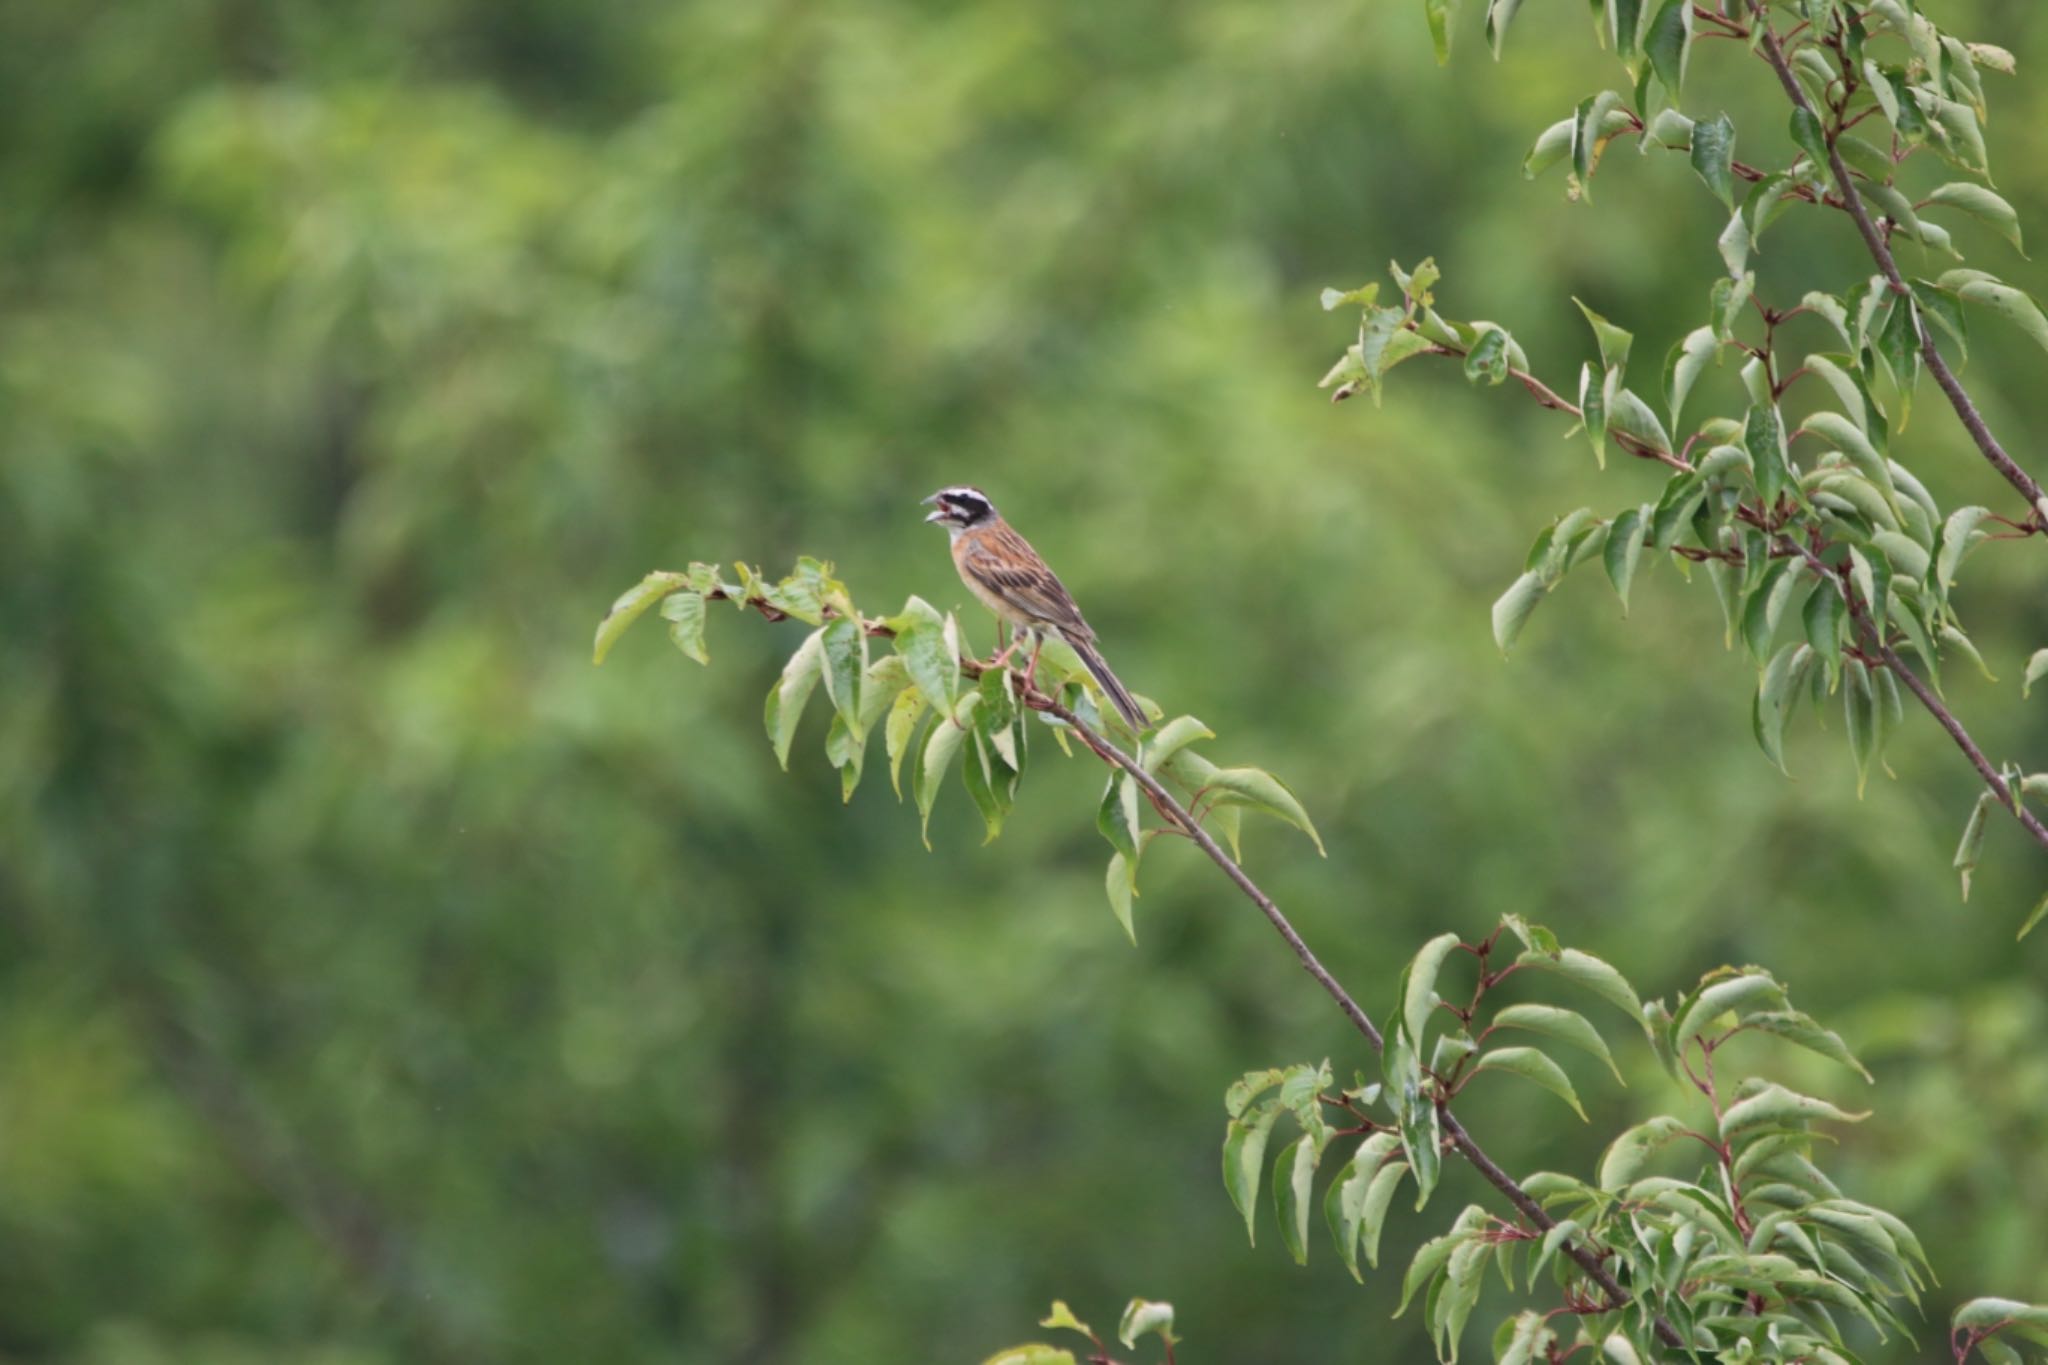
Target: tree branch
[1880,251]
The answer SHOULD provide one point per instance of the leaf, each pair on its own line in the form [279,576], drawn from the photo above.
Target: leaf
[629,607]
[1732,995]
[1499,14]
[1532,1065]
[1763,436]
[2037,664]
[1117,817]
[930,649]
[1142,1316]
[1624,550]
[1614,341]
[941,743]
[1031,1353]
[1419,995]
[1626,1154]
[1849,438]
[1801,1030]
[1973,839]
[904,713]
[1063,1316]
[1443,18]
[845,660]
[791,691]
[1974,286]
[1778,1107]
[1259,790]
[1567,1026]
[684,612]
[1549,149]
[1982,203]
[1590,972]
[1348,1205]
[1511,611]
[1689,356]
[1430,1258]
[1122,884]
[1244,1152]
[1713,156]
[1822,617]
[1777,691]
[1668,44]
[2040,909]
[1294,1173]
[1958,535]
[1629,414]
[1767,604]
[1488,358]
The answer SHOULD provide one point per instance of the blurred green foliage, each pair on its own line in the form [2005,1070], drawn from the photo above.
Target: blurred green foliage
[382,983]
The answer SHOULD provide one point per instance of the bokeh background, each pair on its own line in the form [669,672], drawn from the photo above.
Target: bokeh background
[380,982]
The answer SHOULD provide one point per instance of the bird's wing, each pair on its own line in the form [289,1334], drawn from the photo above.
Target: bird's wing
[1010,567]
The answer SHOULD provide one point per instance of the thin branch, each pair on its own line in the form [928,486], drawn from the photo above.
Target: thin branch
[1880,251]
[1596,1270]
[1927,697]
[1176,814]
[1550,398]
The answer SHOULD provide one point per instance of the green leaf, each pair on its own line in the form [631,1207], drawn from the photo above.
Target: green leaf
[1766,606]
[1244,1152]
[1488,358]
[1763,436]
[1849,438]
[1430,1258]
[1801,1030]
[1808,138]
[1590,132]
[1568,1026]
[2030,1320]
[1822,617]
[1689,356]
[1713,156]
[1356,1202]
[1590,972]
[1063,1316]
[1549,149]
[684,612]
[1958,535]
[1775,1106]
[1973,839]
[1169,739]
[1511,611]
[1864,724]
[1974,286]
[1294,1173]
[791,691]
[1908,559]
[1629,414]
[629,607]
[846,659]
[1668,44]
[930,646]
[1117,817]
[1777,692]
[1838,373]
[904,713]
[1142,1316]
[942,743]
[1499,14]
[2040,909]
[1735,995]
[1614,341]
[2037,664]
[1624,550]
[1419,995]
[1626,1155]
[1031,1353]
[1443,18]
[1256,789]
[1122,884]
[1532,1065]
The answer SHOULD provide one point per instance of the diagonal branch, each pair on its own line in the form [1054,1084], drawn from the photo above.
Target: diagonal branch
[1881,252]
[1585,1253]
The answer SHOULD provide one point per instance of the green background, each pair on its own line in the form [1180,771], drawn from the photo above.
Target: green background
[380,982]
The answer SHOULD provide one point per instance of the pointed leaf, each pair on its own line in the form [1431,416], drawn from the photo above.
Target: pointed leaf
[1530,1064]
[629,607]
[1567,1026]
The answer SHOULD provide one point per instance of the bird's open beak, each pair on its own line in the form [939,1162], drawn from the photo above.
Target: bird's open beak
[927,502]
[938,515]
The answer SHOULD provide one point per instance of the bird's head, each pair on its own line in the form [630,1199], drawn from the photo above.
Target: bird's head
[960,508]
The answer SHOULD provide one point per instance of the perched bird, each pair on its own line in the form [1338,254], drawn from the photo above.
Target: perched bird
[1020,588]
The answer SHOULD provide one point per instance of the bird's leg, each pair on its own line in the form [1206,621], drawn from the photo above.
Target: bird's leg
[1009,643]
[1031,669]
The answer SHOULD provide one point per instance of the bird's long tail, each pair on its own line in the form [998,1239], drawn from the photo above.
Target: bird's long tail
[1119,696]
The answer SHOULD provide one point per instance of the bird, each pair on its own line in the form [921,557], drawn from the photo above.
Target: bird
[1013,581]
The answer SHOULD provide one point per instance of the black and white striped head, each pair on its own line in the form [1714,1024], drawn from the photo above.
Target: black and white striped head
[961,508]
